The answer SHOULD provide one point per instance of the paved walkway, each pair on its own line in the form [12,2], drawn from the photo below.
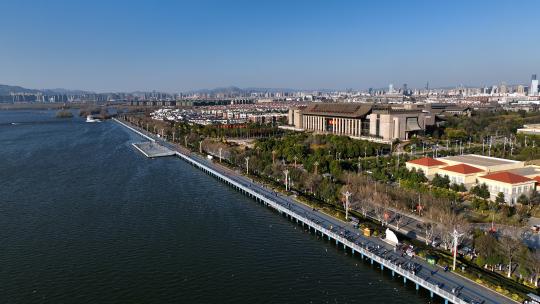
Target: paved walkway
[448,281]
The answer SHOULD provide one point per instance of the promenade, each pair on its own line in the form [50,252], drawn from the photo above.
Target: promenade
[447,285]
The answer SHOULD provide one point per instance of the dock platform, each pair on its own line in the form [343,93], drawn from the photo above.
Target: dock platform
[153,149]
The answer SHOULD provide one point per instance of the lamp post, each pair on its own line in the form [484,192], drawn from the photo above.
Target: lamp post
[295,159]
[286,172]
[347,195]
[316,166]
[456,235]
[220,148]
[247,165]
[273,156]
[185,140]
[200,146]
[359,165]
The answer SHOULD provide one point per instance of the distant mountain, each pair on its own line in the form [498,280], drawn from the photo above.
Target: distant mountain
[226,90]
[65,91]
[7,89]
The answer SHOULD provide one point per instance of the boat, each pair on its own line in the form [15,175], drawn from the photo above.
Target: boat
[89,118]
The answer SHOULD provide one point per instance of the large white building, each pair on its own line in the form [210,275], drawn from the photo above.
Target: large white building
[360,120]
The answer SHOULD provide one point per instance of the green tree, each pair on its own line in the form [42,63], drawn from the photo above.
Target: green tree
[489,250]
[481,191]
[455,134]
[500,198]
[523,199]
[440,181]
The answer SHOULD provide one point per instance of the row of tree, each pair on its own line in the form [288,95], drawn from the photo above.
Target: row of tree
[497,250]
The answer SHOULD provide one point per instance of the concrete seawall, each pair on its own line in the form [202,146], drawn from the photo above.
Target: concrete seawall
[134,130]
[327,229]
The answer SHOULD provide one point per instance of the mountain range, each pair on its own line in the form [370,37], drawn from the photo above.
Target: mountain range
[231,90]
[7,89]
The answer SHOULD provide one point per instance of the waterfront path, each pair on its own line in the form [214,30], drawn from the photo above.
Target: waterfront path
[449,286]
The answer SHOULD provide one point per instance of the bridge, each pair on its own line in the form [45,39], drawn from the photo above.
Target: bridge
[451,287]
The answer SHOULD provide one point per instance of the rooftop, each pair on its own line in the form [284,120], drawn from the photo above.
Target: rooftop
[526,171]
[427,162]
[507,177]
[462,169]
[479,160]
[350,110]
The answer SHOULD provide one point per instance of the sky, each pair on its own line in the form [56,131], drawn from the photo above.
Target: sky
[176,46]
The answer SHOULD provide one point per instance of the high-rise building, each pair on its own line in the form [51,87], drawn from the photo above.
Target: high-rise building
[520,89]
[390,88]
[533,90]
[406,91]
[503,88]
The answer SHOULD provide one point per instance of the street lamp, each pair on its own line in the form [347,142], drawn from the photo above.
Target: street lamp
[286,172]
[200,146]
[347,195]
[295,158]
[316,166]
[185,140]
[247,165]
[220,148]
[456,235]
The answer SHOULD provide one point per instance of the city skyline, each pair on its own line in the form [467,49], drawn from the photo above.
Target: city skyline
[184,46]
[389,88]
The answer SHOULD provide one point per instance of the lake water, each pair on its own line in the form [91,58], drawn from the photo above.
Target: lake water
[85,218]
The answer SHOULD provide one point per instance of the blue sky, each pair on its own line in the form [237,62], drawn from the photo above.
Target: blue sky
[182,45]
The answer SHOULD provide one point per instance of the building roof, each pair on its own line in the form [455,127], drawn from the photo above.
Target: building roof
[479,160]
[537,178]
[427,162]
[462,169]
[349,110]
[528,171]
[507,177]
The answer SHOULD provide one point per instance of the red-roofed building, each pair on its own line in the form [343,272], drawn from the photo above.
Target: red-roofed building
[427,165]
[461,174]
[511,184]
[537,180]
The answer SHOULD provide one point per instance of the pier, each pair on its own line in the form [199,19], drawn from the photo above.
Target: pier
[447,285]
[153,149]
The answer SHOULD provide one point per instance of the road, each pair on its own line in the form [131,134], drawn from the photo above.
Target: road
[463,288]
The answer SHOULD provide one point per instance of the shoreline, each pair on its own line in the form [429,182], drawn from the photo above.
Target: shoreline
[333,229]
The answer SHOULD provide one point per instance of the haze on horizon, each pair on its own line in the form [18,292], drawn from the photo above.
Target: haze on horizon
[184,45]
